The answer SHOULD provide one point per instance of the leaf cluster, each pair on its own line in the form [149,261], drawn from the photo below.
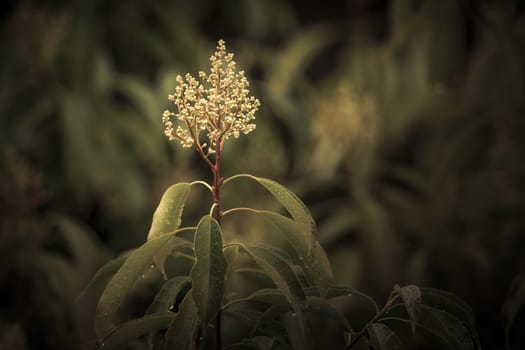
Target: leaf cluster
[293,301]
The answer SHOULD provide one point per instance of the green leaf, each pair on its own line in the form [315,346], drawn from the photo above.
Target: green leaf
[172,245]
[309,251]
[411,296]
[282,275]
[168,215]
[446,327]
[321,306]
[208,273]
[105,273]
[169,293]
[299,338]
[383,338]
[289,200]
[271,296]
[136,328]
[181,332]
[452,304]
[268,317]
[255,276]
[313,304]
[107,312]
[333,291]
[300,232]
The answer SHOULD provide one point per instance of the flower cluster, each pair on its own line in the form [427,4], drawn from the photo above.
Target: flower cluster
[218,106]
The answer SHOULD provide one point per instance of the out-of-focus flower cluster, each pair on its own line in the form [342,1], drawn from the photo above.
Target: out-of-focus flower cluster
[217,105]
[346,118]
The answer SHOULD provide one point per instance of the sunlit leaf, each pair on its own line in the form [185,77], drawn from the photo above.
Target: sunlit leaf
[290,201]
[383,338]
[107,313]
[136,328]
[181,332]
[282,275]
[170,291]
[411,296]
[168,215]
[207,275]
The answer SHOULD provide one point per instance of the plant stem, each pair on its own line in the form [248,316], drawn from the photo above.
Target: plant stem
[217,183]
[378,315]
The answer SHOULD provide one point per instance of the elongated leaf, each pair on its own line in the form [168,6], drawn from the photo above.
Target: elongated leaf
[452,304]
[290,201]
[173,244]
[282,275]
[319,269]
[299,338]
[207,275]
[321,306]
[446,327]
[168,215]
[107,313]
[411,296]
[313,304]
[136,328]
[312,256]
[181,332]
[169,293]
[333,292]
[383,338]
[271,296]
[105,273]
[255,276]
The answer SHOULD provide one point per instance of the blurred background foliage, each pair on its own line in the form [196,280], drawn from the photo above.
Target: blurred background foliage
[400,123]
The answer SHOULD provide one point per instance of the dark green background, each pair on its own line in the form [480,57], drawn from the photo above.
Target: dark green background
[399,123]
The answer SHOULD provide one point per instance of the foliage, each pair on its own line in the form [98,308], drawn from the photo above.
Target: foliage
[398,122]
[281,315]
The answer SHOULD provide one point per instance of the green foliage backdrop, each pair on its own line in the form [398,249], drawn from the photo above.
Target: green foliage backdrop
[400,124]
